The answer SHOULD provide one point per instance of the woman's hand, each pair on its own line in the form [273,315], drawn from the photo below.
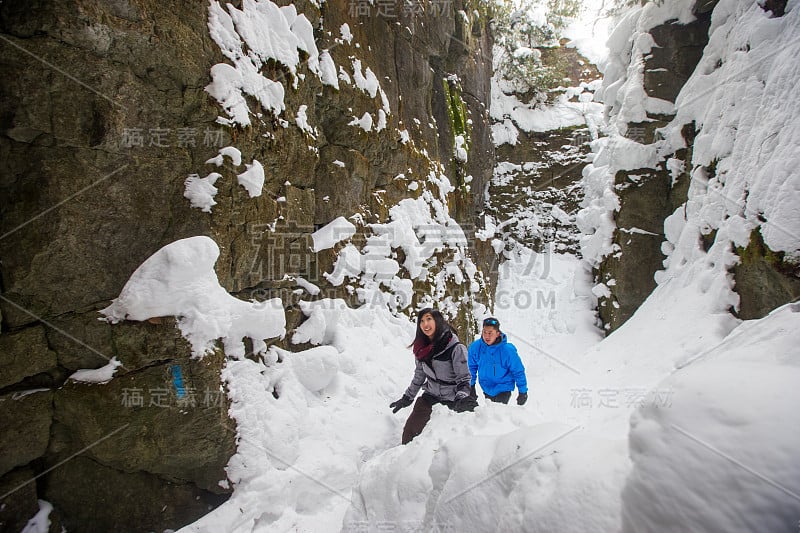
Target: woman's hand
[405,401]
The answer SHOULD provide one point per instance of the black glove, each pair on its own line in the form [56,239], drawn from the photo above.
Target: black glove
[405,401]
[465,404]
[522,397]
[472,391]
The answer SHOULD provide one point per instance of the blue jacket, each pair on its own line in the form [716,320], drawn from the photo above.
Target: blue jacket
[496,367]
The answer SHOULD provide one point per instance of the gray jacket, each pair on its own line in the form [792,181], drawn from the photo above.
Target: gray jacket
[447,378]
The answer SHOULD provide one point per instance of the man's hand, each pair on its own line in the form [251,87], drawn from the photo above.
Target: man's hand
[522,397]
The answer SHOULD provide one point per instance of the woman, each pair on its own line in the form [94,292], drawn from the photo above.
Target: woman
[442,370]
[496,364]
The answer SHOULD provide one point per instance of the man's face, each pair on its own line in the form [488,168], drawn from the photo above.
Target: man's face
[490,334]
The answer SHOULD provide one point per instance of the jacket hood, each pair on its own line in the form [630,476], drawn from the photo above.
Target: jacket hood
[453,340]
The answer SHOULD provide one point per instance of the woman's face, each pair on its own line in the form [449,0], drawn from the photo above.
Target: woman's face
[428,325]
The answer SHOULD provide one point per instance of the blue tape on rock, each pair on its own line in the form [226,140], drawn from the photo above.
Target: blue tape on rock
[177,381]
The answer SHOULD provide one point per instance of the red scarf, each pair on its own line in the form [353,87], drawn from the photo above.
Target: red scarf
[422,350]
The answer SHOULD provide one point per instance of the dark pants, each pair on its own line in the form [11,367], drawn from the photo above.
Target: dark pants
[502,397]
[420,415]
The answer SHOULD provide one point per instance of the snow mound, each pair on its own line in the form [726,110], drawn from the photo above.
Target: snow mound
[316,368]
[306,422]
[539,478]
[724,456]
[179,280]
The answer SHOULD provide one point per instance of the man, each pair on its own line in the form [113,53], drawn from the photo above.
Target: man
[496,365]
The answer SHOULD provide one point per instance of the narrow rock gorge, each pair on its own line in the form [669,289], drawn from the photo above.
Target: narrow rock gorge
[104,115]
[106,112]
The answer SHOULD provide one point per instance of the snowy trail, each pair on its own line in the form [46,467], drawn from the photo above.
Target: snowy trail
[330,428]
[324,455]
[497,467]
[544,304]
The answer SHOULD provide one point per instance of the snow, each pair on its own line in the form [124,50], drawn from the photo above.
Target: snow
[302,120]
[381,125]
[344,31]
[316,368]
[420,228]
[283,472]
[561,114]
[679,420]
[179,280]
[201,191]
[328,70]
[747,115]
[344,76]
[230,151]
[504,133]
[349,263]
[101,375]
[723,457]
[40,523]
[365,122]
[595,220]
[366,81]
[307,286]
[601,290]
[506,467]
[622,90]
[229,85]
[460,149]
[18,395]
[339,229]
[252,179]
[267,32]
[509,112]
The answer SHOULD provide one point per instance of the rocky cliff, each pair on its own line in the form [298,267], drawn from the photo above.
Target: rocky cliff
[103,115]
[647,196]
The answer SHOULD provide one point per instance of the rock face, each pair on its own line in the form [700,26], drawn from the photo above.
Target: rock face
[541,172]
[763,279]
[103,115]
[647,196]
[536,188]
